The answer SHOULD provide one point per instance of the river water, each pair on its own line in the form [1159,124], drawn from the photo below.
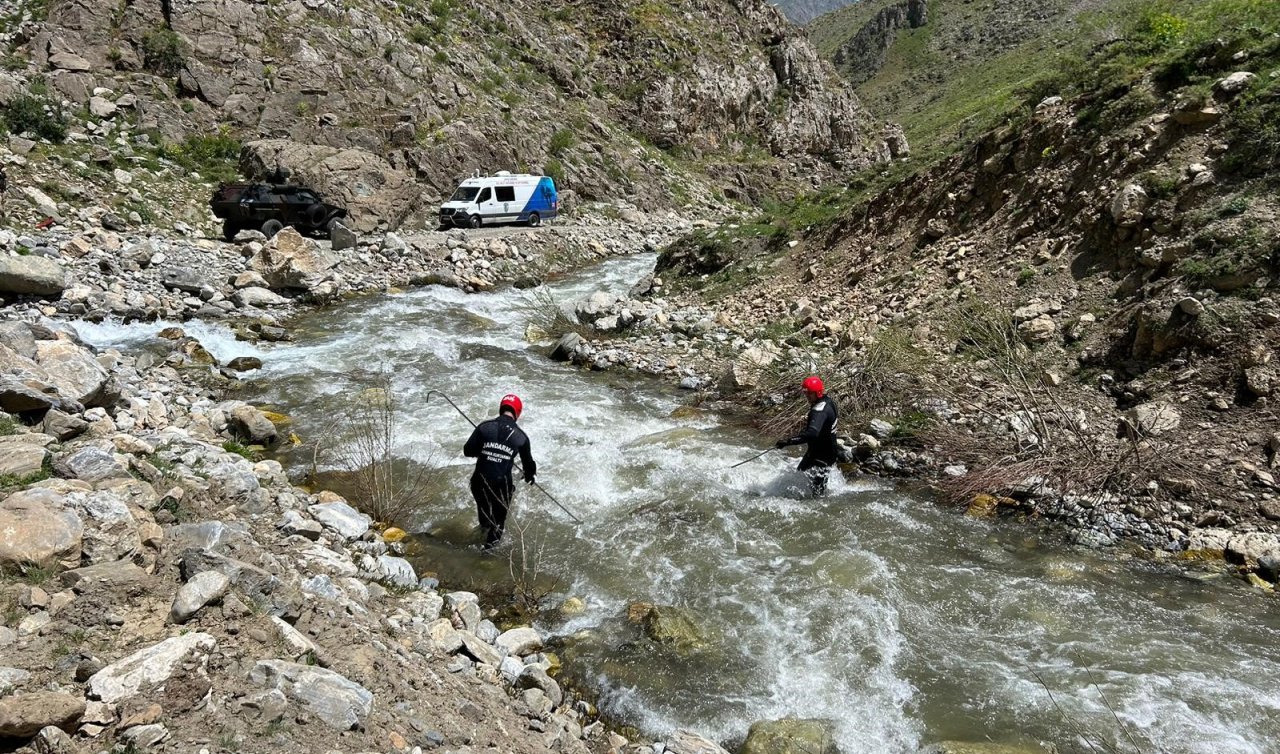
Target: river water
[902,622]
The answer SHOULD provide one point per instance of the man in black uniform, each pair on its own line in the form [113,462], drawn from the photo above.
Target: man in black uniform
[494,444]
[819,434]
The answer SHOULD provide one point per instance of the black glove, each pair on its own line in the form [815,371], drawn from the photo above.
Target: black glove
[781,444]
[528,478]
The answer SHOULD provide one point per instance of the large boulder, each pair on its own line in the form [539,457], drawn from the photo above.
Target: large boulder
[341,518]
[149,667]
[340,702]
[38,528]
[203,588]
[90,464]
[290,261]
[32,275]
[790,736]
[374,193]
[71,370]
[111,532]
[24,715]
[253,425]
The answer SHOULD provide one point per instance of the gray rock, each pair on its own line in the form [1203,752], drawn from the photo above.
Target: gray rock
[21,459]
[253,425]
[53,740]
[184,279]
[294,641]
[72,371]
[250,580]
[18,337]
[12,678]
[24,715]
[341,237]
[293,523]
[339,702]
[214,536]
[686,742]
[565,347]
[534,677]
[389,569]
[341,518]
[111,532]
[880,429]
[480,650]
[1150,419]
[32,275]
[259,297]
[89,464]
[144,736]
[520,641]
[63,426]
[149,667]
[1236,82]
[38,527]
[112,573]
[487,632]
[203,589]
[1129,205]
[1191,306]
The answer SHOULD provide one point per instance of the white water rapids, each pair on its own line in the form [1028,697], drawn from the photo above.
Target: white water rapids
[902,622]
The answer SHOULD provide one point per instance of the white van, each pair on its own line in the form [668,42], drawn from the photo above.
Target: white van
[501,198]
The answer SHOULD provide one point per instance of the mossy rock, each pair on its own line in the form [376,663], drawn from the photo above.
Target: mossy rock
[673,627]
[790,736]
[275,418]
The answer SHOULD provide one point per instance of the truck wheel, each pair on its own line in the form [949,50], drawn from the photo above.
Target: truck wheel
[316,215]
[229,230]
[271,227]
[476,222]
[534,220]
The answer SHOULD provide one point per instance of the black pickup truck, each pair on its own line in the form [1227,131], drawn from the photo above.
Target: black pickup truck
[269,207]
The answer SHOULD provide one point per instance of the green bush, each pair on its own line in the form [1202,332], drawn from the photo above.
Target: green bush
[215,156]
[561,141]
[162,52]
[421,34]
[35,115]
[553,169]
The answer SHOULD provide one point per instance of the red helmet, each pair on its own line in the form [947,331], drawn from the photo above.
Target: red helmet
[512,402]
[813,385]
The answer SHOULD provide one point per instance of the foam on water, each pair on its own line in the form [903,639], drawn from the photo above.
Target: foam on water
[901,622]
[216,339]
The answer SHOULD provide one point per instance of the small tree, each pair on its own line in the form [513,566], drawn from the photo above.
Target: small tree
[162,52]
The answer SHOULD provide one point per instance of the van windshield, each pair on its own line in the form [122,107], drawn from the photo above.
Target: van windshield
[465,194]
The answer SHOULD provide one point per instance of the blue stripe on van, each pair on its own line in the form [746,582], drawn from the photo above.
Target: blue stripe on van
[545,201]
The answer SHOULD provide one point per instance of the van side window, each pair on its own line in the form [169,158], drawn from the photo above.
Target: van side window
[506,193]
[484,195]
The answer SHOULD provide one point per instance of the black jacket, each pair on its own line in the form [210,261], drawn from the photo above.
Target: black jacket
[495,444]
[820,433]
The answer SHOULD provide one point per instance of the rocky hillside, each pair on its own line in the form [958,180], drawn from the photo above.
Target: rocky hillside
[386,104]
[947,69]
[1077,314]
[804,11]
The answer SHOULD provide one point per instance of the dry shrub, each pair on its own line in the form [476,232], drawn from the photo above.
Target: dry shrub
[882,380]
[543,312]
[531,585]
[377,468]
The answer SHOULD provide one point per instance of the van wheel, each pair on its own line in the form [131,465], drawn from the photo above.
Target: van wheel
[271,227]
[476,222]
[534,220]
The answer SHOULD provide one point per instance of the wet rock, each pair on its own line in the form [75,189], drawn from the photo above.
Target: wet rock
[32,275]
[341,703]
[672,626]
[1249,549]
[24,715]
[566,346]
[790,736]
[983,747]
[148,667]
[244,363]
[38,527]
[341,518]
[686,742]
[203,589]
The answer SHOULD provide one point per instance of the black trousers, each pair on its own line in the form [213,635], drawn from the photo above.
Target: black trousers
[493,499]
[817,472]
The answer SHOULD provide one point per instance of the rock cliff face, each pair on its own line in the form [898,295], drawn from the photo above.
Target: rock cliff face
[863,55]
[634,99]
